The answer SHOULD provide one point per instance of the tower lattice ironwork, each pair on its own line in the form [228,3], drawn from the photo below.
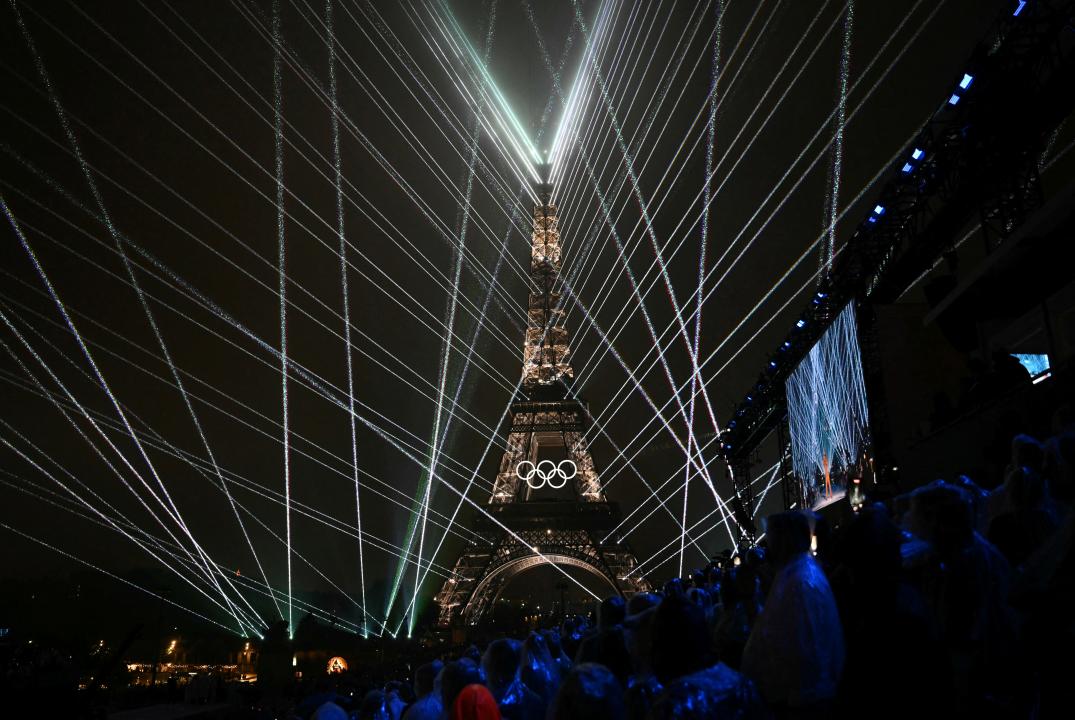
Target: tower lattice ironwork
[546,446]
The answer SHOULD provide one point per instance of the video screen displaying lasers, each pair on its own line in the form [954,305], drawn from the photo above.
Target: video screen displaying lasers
[828,416]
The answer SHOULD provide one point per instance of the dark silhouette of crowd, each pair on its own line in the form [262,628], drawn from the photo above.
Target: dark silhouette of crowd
[949,601]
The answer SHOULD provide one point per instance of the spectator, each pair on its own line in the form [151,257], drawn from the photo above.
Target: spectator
[474,703]
[474,655]
[454,677]
[880,621]
[590,692]
[572,631]
[427,706]
[611,611]
[537,669]
[556,650]
[891,640]
[374,707]
[642,685]
[716,692]
[608,647]
[1027,452]
[1031,521]
[733,628]
[680,642]
[642,601]
[329,711]
[514,699]
[966,586]
[795,652]
[673,587]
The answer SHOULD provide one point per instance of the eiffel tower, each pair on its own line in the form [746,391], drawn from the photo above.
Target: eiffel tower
[546,451]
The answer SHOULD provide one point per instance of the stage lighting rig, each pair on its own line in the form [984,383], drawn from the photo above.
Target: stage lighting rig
[970,158]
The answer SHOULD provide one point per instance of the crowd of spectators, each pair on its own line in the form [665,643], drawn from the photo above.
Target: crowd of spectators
[951,601]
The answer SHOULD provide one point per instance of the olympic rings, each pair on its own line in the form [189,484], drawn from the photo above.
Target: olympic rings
[546,471]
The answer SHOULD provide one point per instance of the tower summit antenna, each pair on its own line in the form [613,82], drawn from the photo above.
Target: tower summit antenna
[543,187]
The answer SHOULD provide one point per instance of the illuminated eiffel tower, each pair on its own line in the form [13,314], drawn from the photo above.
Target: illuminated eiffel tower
[547,458]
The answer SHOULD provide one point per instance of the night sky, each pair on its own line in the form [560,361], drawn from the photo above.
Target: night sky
[171,105]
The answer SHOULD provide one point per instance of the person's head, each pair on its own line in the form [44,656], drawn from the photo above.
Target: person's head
[571,631]
[1027,452]
[641,601]
[718,693]
[611,612]
[400,690]
[425,678]
[700,597]
[609,648]
[571,627]
[536,668]
[977,495]
[747,581]
[455,676]
[871,546]
[942,515]
[1027,489]
[755,557]
[673,587]
[374,706]
[552,641]
[590,692]
[500,664]
[329,711]
[474,654]
[680,640]
[788,534]
[474,702]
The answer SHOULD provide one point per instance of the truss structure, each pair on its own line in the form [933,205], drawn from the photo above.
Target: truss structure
[546,435]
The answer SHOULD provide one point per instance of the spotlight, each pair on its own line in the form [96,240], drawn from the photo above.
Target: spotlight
[953,100]
[916,154]
[772,364]
[966,81]
[878,210]
[1022,4]
[786,345]
[801,324]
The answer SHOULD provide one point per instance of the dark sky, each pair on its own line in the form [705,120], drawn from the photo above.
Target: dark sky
[171,105]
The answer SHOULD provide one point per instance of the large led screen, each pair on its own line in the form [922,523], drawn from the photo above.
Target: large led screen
[827,413]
